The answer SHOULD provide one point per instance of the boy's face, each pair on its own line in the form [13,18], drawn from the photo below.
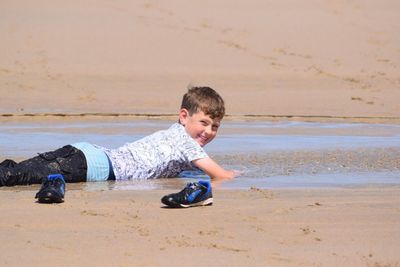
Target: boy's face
[199,126]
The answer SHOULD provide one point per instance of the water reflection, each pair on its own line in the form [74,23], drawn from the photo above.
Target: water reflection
[271,154]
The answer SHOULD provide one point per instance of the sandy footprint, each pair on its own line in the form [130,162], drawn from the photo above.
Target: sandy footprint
[232,44]
[94,213]
[262,192]
[5,71]
[226,248]
[307,230]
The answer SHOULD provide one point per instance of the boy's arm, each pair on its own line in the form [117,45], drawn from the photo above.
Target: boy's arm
[214,170]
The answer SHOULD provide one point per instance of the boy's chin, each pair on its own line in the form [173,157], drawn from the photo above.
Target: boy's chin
[202,142]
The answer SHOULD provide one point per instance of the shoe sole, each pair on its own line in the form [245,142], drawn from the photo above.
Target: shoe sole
[207,202]
[50,200]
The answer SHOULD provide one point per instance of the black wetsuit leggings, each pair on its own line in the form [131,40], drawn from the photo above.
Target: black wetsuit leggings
[68,161]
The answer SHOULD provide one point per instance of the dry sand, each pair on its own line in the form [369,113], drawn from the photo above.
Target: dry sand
[316,59]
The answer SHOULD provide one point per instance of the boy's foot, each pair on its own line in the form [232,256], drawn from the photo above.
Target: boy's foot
[52,190]
[194,194]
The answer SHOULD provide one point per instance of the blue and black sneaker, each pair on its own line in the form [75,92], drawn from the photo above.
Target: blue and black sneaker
[52,190]
[194,194]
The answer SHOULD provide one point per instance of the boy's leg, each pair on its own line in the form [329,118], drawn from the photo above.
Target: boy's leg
[8,163]
[68,161]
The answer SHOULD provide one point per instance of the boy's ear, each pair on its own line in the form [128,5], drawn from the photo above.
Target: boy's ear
[183,116]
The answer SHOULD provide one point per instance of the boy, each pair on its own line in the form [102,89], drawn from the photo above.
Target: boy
[162,154]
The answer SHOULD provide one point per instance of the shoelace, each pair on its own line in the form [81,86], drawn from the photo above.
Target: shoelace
[189,188]
[191,185]
[53,182]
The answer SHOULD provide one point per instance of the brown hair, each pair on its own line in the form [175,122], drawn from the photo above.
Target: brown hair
[204,99]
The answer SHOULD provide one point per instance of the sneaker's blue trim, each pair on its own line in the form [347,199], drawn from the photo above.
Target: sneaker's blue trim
[193,195]
[206,184]
[55,176]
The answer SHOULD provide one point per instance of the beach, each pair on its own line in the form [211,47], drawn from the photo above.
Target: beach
[312,94]
[325,227]
[276,58]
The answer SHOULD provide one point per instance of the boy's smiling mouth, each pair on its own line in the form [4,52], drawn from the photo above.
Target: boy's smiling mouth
[202,139]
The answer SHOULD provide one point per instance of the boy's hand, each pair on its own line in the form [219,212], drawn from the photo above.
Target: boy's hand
[216,182]
[216,172]
[238,172]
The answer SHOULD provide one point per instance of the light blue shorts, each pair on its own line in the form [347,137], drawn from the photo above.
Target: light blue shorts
[98,167]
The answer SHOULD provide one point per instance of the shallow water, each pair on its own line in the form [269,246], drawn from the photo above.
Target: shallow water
[270,154]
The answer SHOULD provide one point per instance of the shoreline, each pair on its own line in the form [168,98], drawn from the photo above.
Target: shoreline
[4,117]
[178,183]
[272,154]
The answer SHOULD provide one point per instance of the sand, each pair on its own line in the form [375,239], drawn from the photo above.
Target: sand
[317,60]
[267,58]
[324,227]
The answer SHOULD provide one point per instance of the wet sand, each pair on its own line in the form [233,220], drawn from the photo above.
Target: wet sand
[270,154]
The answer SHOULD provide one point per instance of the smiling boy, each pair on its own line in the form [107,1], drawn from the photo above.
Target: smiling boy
[168,152]
[201,113]
[162,154]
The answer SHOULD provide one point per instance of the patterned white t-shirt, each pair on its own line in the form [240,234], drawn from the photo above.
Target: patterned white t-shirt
[162,154]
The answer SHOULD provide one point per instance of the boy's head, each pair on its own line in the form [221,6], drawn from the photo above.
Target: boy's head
[204,99]
[201,113]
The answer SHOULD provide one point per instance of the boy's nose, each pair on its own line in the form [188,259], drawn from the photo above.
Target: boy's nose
[208,130]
